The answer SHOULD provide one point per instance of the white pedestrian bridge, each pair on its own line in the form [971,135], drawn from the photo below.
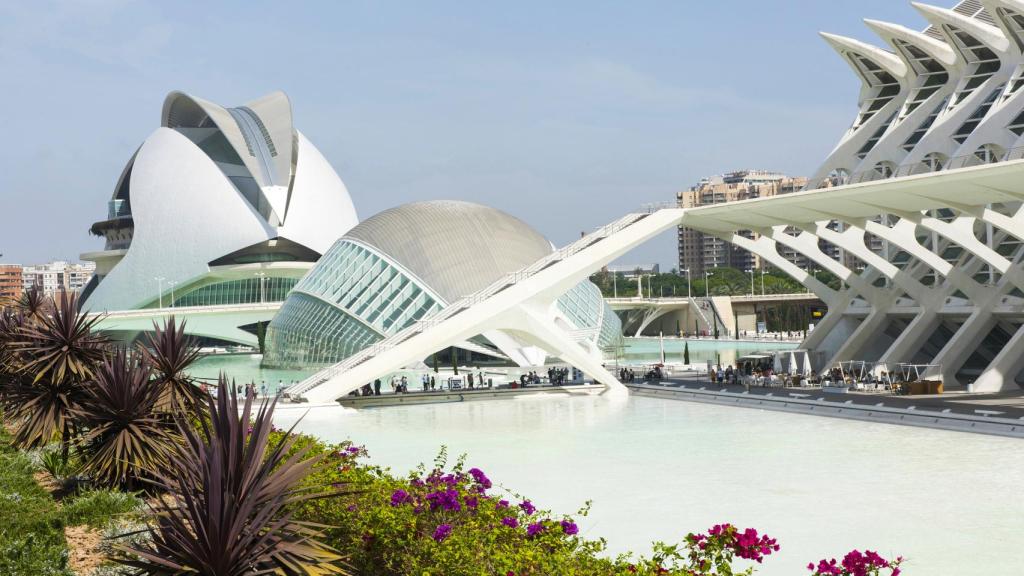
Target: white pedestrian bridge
[946,290]
[221,322]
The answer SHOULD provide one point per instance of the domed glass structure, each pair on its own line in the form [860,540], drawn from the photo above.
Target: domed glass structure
[406,264]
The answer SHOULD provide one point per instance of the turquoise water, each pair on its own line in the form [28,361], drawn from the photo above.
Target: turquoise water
[655,468]
[244,368]
[647,350]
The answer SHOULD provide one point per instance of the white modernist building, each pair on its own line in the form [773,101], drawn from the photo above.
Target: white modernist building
[406,265]
[218,208]
[930,171]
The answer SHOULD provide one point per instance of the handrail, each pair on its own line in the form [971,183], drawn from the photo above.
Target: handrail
[469,301]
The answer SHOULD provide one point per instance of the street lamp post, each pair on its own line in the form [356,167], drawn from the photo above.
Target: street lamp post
[689,294]
[160,290]
[171,284]
[262,276]
[707,290]
[762,281]
[751,272]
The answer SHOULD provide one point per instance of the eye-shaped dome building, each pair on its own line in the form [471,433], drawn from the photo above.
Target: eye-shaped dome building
[406,264]
[219,206]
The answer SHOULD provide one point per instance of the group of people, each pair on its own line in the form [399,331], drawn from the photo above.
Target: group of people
[626,375]
[428,382]
[760,374]
[558,376]
[250,389]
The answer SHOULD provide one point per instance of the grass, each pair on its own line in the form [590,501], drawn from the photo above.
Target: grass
[98,508]
[31,524]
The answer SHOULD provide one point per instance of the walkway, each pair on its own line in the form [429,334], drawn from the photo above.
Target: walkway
[998,414]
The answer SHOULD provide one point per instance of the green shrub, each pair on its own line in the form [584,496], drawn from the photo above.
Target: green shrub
[63,470]
[98,508]
[31,532]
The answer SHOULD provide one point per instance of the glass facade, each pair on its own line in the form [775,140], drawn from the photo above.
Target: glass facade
[355,297]
[243,291]
[586,308]
[351,299]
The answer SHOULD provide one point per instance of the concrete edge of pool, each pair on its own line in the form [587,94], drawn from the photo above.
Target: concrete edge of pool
[977,424]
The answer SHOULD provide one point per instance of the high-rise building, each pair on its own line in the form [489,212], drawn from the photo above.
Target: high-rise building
[10,281]
[699,251]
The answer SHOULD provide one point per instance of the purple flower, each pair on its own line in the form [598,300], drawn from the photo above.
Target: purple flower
[501,504]
[443,531]
[510,522]
[534,529]
[399,497]
[570,528]
[444,499]
[527,507]
[480,478]
[352,507]
[471,502]
[352,450]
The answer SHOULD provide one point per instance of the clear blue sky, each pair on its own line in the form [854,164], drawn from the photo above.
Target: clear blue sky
[566,114]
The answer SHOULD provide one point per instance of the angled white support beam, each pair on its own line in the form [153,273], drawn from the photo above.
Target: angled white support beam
[807,244]
[533,323]
[960,347]
[765,248]
[852,241]
[961,231]
[1001,373]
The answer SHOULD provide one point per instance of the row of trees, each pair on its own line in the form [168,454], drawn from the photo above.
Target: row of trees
[722,282]
[130,418]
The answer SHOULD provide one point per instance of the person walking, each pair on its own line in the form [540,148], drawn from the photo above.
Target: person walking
[376,387]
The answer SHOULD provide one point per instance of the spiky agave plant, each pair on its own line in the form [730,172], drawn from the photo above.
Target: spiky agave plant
[170,352]
[57,353]
[33,303]
[125,438]
[232,500]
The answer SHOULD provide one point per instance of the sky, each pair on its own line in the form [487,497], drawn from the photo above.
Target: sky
[565,114]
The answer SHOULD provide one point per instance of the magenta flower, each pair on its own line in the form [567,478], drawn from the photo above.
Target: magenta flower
[501,504]
[528,507]
[570,528]
[442,532]
[534,529]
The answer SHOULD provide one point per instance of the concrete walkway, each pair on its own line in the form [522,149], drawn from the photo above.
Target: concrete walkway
[999,414]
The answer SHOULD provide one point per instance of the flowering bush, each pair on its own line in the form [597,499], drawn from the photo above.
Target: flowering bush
[711,554]
[857,563]
[453,521]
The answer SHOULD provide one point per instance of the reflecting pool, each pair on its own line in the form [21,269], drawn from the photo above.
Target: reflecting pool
[646,350]
[655,469]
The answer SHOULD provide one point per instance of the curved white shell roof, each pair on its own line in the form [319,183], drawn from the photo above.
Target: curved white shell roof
[456,248]
[193,202]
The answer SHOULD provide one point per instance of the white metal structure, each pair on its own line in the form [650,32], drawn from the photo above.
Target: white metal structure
[220,206]
[930,170]
[410,263]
